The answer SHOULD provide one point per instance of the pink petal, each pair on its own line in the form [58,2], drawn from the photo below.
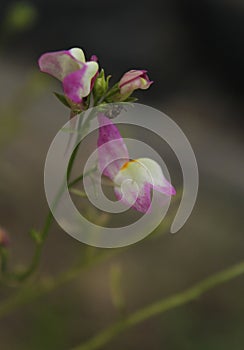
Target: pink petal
[73,85]
[143,201]
[79,83]
[58,64]
[167,189]
[138,200]
[112,151]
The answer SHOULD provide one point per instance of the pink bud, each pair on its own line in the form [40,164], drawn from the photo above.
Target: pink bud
[94,58]
[4,239]
[133,80]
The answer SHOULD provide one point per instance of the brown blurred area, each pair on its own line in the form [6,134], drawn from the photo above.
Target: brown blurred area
[194,53]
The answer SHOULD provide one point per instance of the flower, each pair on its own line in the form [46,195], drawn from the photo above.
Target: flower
[70,67]
[133,179]
[4,239]
[133,80]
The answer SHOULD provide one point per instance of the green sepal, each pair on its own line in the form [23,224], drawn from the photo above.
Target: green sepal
[112,94]
[101,85]
[62,99]
[131,99]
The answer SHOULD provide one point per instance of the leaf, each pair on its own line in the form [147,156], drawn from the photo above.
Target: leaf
[62,99]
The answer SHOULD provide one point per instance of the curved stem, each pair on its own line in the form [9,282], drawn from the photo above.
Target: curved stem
[44,233]
[49,220]
[38,249]
[79,178]
[30,293]
[161,306]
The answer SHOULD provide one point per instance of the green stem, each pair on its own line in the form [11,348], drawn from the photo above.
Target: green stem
[4,259]
[29,293]
[71,162]
[79,178]
[161,306]
[44,233]
[38,250]
[49,220]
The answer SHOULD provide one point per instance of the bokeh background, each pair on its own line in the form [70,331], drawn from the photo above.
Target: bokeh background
[194,52]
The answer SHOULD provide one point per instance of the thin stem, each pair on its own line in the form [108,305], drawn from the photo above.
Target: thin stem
[71,162]
[79,178]
[33,292]
[161,306]
[38,250]
[30,293]
[44,233]
[3,259]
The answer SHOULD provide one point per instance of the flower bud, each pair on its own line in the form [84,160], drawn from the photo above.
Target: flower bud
[4,239]
[133,80]
[100,85]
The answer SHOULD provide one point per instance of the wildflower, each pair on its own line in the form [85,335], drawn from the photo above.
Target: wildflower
[133,179]
[71,68]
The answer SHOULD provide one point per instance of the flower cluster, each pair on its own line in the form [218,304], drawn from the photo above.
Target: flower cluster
[81,78]
[82,83]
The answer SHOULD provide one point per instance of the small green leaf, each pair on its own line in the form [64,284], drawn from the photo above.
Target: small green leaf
[108,78]
[62,99]
[131,99]
[36,235]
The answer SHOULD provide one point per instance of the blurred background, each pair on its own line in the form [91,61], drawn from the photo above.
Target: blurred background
[194,53]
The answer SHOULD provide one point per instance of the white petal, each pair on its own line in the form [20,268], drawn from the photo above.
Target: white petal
[157,178]
[135,171]
[145,171]
[91,70]
[78,54]
[130,194]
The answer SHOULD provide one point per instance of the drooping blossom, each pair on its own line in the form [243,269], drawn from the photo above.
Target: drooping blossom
[133,80]
[133,179]
[71,68]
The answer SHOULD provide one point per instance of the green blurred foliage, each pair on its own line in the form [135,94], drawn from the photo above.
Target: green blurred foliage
[116,288]
[19,16]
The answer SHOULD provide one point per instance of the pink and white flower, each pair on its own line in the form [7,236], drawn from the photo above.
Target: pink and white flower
[133,179]
[71,68]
